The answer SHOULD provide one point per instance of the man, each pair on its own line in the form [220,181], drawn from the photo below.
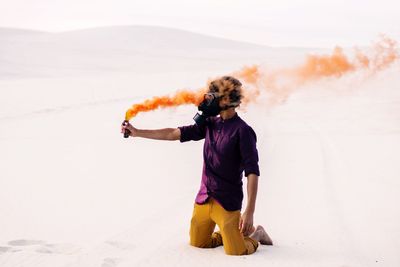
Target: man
[229,149]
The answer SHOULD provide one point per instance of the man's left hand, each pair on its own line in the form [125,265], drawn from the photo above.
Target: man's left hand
[246,223]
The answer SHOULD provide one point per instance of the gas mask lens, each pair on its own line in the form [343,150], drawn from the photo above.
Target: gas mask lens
[209,97]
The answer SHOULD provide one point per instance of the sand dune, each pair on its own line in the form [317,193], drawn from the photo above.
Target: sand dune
[138,49]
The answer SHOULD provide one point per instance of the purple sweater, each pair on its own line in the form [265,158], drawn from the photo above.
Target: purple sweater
[229,149]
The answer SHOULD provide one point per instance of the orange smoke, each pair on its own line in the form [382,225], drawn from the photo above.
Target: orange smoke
[250,76]
[179,98]
[281,83]
[336,64]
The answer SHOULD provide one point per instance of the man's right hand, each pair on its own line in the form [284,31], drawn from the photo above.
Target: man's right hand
[130,128]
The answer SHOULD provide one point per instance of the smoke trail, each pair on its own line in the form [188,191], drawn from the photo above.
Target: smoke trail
[179,98]
[281,83]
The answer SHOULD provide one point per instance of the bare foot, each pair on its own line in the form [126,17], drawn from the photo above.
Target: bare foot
[261,236]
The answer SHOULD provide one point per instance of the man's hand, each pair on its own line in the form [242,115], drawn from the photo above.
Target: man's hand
[130,128]
[246,223]
[158,134]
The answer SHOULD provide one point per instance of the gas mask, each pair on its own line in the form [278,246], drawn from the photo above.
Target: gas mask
[208,108]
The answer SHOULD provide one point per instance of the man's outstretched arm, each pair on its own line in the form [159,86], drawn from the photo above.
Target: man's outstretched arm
[159,134]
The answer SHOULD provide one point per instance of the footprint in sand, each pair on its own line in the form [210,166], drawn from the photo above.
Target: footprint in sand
[110,262]
[40,246]
[66,249]
[8,249]
[120,245]
[25,242]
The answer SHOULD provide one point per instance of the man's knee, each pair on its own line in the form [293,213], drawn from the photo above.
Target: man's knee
[202,242]
[197,243]
[238,247]
[235,252]
[198,237]
[234,243]
[206,241]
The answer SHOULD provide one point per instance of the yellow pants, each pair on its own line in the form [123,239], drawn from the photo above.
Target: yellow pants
[202,227]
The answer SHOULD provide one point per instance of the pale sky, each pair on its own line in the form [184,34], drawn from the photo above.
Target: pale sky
[270,22]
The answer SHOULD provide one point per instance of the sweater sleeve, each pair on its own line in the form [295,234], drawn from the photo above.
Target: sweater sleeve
[192,133]
[248,150]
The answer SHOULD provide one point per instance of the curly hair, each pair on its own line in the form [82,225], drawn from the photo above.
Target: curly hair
[227,86]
